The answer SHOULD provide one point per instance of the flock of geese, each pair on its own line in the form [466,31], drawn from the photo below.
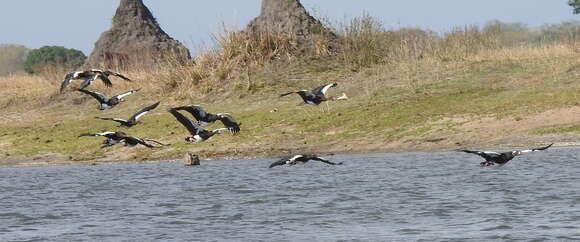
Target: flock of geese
[203,118]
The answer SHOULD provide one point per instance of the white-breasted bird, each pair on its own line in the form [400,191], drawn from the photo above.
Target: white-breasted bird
[314,96]
[133,120]
[492,158]
[199,134]
[300,159]
[89,76]
[114,138]
[106,102]
[204,118]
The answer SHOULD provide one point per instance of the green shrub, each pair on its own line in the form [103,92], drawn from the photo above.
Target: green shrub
[53,55]
[12,58]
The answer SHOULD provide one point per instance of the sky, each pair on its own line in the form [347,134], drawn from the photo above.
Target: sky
[78,23]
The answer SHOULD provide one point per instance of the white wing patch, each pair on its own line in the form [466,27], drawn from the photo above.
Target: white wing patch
[325,88]
[105,133]
[120,96]
[141,114]
[490,153]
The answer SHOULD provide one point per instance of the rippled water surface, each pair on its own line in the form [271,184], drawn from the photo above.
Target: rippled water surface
[404,196]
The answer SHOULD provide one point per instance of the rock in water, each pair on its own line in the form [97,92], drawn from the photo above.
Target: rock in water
[288,16]
[135,38]
[192,160]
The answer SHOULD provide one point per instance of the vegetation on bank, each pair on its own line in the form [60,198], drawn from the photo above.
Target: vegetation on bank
[409,89]
[12,58]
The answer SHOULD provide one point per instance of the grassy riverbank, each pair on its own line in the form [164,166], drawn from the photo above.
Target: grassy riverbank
[494,97]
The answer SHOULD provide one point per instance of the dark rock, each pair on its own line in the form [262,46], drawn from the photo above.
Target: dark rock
[135,38]
[288,16]
[192,160]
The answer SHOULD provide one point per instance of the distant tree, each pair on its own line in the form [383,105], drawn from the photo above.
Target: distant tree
[12,58]
[53,55]
[575,4]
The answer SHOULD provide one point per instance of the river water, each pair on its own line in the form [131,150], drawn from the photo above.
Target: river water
[439,196]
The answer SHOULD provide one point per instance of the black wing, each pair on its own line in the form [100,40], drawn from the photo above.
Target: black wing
[537,149]
[321,90]
[230,123]
[67,79]
[543,148]
[97,95]
[325,161]
[279,162]
[134,141]
[122,121]
[144,111]
[105,80]
[192,127]
[485,155]
[199,113]
[117,74]
[286,94]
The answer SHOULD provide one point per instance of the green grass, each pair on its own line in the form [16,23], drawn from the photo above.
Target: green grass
[388,112]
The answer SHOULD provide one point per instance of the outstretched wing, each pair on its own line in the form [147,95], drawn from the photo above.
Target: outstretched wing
[134,141]
[144,111]
[279,162]
[199,114]
[537,149]
[321,90]
[88,81]
[122,121]
[105,79]
[192,127]
[325,161]
[67,80]
[286,94]
[485,154]
[106,134]
[117,74]
[97,95]
[229,122]
[127,93]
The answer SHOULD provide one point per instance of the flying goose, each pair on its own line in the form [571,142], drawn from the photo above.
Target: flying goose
[492,158]
[314,96]
[105,102]
[204,118]
[104,76]
[198,133]
[89,76]
[133,120]
[293,160]
[114,138]
[80,75]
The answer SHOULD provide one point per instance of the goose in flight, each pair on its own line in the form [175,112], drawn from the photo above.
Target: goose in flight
[104,101]
[79,75]
[89,76]
[198,133]
[104,76]
[204,118]
[314,96]
[114,138]
[133,120]
[293,160]
[492,158]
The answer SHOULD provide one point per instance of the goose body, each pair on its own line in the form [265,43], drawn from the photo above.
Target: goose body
[501,158]
[106,102]
[198,133]
[89,76]
[315,96]
[133,120]
[114,138]
[204,118]
[300,159]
